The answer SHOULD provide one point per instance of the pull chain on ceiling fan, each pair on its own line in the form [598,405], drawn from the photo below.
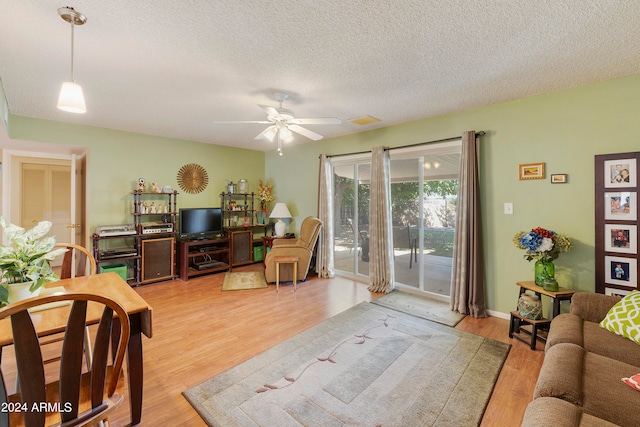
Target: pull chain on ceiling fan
[283,122]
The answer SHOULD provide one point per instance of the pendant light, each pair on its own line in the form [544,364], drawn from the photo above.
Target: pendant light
[71,98]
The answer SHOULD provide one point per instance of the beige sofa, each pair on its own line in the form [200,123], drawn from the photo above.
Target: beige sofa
[580,382]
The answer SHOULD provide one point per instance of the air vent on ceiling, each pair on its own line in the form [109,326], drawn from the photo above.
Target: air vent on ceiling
[364,120]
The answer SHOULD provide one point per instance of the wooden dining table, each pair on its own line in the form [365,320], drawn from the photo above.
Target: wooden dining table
[110,285]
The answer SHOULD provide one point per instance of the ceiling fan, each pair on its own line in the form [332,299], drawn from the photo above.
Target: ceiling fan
[283,122]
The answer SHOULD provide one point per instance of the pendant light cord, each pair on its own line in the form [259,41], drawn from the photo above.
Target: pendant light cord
[73,79]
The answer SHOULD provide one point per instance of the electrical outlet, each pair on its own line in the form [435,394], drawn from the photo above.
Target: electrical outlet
[508,208]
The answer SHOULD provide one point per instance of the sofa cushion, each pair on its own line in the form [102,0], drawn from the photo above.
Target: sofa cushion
[606,396]
[553,412]
[591,306]
[569,328]
[590,381]
[561,374]
[566,328]
[624,317]
[633,381]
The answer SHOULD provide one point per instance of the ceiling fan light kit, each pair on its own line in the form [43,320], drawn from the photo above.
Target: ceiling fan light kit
[71,98]
[283,123]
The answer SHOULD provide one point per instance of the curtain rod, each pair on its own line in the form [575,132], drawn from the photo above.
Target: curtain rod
[480,133]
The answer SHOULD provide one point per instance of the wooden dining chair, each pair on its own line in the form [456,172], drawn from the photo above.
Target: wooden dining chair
[77,398]
[76,262]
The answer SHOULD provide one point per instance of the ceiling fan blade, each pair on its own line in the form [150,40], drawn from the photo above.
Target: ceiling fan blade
[305,132]
[317,121]
[270,110]
[223,122]
[268,133]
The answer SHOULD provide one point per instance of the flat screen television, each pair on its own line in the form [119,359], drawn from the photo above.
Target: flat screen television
[200,223]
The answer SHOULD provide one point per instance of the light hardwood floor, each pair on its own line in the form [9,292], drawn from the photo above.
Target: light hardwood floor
[199,331]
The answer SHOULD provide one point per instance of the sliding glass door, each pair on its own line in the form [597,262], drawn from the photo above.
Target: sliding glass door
[351,185]
[424,190]
[424,187]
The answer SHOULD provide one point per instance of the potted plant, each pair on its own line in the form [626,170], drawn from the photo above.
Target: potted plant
[25,261]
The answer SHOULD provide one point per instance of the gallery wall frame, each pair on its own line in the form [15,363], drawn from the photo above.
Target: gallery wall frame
[620,205]
[559,178]
[616,222]
[530,171]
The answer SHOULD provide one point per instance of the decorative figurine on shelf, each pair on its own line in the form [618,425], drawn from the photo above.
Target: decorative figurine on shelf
[152,208]
[144,208]
[246,221]
[154,187]
[141,182]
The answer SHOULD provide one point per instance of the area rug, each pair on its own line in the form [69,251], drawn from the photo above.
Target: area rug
[367,366]
[244,280]
[421,306]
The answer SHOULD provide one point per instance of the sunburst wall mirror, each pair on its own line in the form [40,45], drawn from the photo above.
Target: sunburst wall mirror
[192,178]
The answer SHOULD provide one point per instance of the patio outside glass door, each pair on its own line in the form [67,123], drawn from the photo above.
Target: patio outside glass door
[424,189]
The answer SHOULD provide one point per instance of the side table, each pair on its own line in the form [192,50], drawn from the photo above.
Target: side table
[286,259]
[562,294]
[516,320]
[267,242]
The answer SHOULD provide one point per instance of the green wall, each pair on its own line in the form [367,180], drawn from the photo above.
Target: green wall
[117,159]
[563,129]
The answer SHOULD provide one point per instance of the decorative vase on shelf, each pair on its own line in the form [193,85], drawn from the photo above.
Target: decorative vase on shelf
[550,284]
[544,269]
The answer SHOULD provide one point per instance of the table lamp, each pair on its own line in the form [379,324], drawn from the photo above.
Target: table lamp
[280,211]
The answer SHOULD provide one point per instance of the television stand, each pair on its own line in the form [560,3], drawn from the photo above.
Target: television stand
[199,257]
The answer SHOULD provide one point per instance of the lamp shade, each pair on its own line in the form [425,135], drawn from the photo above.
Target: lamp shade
[280,211]
[71,98]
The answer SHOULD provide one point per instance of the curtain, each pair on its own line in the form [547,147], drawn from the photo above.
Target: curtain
[324,263]
[381,274]
[467,289]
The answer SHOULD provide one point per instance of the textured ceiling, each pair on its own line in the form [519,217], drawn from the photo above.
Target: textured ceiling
[171,68]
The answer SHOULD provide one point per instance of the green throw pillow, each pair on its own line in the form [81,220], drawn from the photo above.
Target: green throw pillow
[624,318]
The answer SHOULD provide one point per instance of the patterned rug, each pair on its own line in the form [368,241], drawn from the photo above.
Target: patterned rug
[244,280]
[421,306]
[367,366]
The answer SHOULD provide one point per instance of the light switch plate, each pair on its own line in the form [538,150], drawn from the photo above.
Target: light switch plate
[508,208]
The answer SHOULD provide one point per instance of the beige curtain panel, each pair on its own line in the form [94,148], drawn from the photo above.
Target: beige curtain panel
[381,274]
[324,258]
[467,287]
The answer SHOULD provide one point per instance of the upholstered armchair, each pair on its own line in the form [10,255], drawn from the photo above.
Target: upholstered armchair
[301,247]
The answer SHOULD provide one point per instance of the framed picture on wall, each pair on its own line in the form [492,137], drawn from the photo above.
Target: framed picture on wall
[620,205]
[620,271]
[531,171]
[620,238]
[620,173]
